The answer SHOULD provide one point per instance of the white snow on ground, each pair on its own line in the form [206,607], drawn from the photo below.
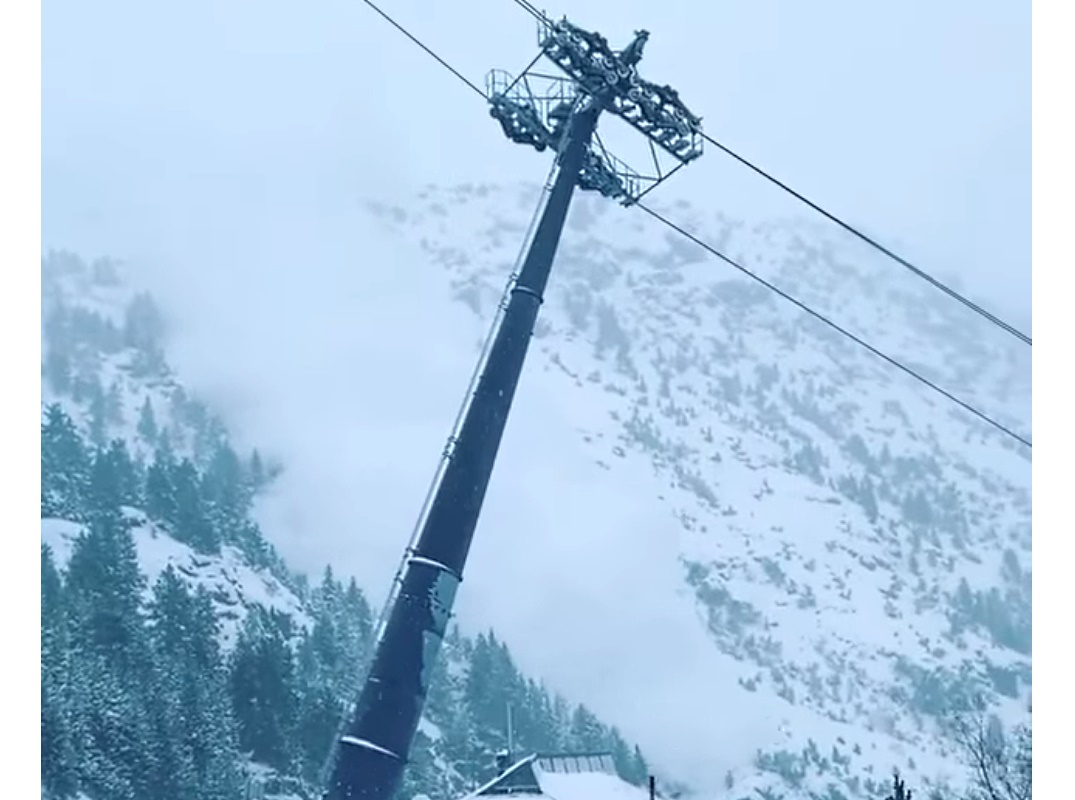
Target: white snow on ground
[587,786]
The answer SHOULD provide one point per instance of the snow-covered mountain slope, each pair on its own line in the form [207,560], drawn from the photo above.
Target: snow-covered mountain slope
[769,557]
[857,547]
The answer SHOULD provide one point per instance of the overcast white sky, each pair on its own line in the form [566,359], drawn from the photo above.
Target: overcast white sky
[230,143]
[912,118]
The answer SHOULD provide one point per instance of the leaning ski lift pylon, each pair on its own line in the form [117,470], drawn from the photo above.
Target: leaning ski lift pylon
[546,112]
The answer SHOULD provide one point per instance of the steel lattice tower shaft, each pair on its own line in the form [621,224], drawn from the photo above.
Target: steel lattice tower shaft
[371,755]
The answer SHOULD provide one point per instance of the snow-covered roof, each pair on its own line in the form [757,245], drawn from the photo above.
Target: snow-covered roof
[562,776]
[589,786]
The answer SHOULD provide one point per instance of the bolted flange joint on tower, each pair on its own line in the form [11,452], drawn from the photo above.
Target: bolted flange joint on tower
[373,746]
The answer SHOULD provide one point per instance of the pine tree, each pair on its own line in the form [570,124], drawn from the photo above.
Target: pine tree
[64,466]
[201,742]
[899,789]
[317,725]
[112,669]
[327,593]
[114,404]
[58,726]
[105,494]
[143,331]
[356,628]
[172,725]
[587,732]
[485,693]
[622,757]
[161,503]
[263,690]
[116,727]
[105,585]
[247,537]
[191,522]
[331,654]
[325,644]
[547,734]
[639,769]
[460,743]
[225,491]
[128,481]
[256,477]
[147,423]
[98,413]
[422,771]
[562,712]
